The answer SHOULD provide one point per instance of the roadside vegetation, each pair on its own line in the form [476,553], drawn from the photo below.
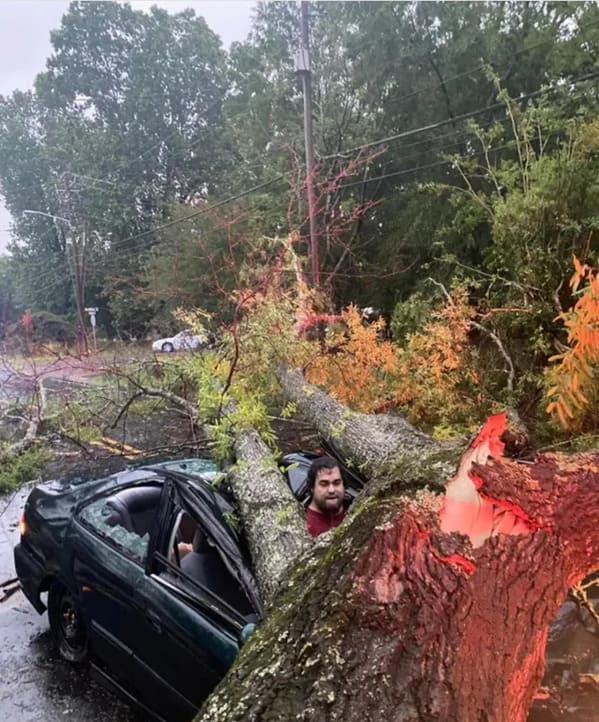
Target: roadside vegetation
[463,233]
[17,470]
[457,188]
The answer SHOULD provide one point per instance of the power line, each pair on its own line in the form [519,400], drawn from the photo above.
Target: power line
[371,144]
[396,173]
[405,171]
[445,161]
[456,119]
[206,210]
[214,206]
[123,251]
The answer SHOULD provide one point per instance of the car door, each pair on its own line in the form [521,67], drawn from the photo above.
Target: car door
[185,649]
[183,340]
[191,635]
[109,565]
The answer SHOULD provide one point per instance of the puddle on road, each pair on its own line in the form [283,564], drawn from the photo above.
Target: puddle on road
[38,685]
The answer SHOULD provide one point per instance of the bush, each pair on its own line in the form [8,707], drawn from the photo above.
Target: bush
[17,470]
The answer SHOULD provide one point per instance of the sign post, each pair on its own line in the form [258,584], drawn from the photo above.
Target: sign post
[92,319]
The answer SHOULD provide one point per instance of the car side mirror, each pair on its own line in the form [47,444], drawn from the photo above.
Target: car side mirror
[245,633]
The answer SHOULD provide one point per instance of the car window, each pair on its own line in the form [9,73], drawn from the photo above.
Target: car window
[196,555]
[100,517]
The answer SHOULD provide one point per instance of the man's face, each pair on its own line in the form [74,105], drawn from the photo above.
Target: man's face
[328,490]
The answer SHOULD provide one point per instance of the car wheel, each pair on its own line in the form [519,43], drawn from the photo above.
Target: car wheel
[168,347]
[67,624]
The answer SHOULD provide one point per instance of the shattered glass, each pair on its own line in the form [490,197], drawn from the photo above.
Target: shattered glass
[97,515]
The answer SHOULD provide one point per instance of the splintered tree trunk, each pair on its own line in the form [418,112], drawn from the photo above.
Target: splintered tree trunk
[424,607]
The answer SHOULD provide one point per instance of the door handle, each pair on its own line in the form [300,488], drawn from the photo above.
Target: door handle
[154,621]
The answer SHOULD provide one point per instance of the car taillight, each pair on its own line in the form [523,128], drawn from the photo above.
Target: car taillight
[23,525]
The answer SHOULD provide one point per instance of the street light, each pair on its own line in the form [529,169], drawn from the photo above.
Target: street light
[28,212]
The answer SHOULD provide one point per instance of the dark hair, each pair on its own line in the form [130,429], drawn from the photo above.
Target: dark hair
[322,462]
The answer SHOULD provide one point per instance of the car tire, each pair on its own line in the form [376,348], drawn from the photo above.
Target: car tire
[67,624]
[168,347]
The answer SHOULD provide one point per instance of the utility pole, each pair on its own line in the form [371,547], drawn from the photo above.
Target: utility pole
[78,247]
[303,67]
[75,249]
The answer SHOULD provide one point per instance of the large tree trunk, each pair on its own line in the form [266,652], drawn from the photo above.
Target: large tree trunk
[423,607]
[374,444]
[273,521]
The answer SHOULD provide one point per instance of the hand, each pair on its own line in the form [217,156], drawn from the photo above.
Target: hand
[184,548]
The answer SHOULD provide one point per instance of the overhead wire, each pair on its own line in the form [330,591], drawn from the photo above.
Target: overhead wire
[456,119]
[404,134]
[408,133]
[124,251]
[406,171]
[202,211]
[260,186]
[381,141]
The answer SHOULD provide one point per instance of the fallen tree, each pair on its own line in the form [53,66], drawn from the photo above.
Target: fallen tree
[423,605]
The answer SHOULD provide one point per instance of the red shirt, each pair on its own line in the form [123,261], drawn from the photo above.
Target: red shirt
[318,523]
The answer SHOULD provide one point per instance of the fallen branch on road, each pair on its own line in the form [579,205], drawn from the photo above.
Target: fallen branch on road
[35,422]
[8,588]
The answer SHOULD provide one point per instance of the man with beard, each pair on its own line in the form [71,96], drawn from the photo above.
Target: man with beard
[325,510]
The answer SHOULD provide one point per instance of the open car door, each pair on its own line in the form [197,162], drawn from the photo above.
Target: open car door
[197,607]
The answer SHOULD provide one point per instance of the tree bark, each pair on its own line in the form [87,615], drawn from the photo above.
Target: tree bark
[424,606]
[273,521]
[38,413]
[376,445]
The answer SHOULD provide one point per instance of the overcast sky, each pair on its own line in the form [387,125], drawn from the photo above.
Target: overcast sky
[25,41]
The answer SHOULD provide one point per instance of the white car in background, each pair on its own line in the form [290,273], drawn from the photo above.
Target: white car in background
[182,341]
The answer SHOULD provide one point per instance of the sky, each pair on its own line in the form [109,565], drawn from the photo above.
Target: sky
[25,27]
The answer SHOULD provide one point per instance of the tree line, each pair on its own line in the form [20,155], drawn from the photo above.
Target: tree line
[456,153]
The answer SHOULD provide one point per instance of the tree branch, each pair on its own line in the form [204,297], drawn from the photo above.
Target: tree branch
[34,423]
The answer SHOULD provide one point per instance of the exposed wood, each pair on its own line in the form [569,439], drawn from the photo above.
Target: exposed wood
[423,607]
[37,416]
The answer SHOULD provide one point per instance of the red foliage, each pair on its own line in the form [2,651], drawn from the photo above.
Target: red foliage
[27,320]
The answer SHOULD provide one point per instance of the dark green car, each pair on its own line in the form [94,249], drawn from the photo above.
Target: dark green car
[145,578]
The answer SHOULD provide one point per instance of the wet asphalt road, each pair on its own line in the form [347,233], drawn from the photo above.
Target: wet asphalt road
[35,684]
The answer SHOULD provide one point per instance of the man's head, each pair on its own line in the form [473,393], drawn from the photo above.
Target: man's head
[325,485]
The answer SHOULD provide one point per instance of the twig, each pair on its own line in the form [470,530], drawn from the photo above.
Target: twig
[504,353]
[496,339]
[579,593]
[125,408]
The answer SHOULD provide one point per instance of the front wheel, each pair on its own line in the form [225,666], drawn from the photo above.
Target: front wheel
[168,347]
[67,624]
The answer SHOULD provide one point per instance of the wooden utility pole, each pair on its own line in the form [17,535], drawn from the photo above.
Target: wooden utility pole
[75,247]
[76,250]
[303,67]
